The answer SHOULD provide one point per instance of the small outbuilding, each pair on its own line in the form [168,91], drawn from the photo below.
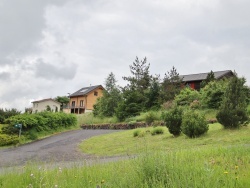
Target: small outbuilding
[45,104]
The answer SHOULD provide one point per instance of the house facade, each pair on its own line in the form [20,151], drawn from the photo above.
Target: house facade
[194,80]
[83,100]
[44,104]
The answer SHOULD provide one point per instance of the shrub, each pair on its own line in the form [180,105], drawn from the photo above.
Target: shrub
[186,96]
[173,119]
[136,132]
[194,124]
[157,130]
[150,117]
[8,140]
[195,104]
[233,110]
[212,94]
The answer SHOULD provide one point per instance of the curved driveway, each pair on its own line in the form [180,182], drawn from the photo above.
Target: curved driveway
[58,148]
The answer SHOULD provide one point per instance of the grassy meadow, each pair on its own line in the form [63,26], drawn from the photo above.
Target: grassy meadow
[221,158]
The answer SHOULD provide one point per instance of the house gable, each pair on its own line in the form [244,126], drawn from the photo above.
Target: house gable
[84,99]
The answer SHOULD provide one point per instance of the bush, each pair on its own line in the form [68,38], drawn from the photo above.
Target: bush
[194,124]
[150,117]
[8,140]
[157,130]
[186,96]
[233,110]
[136,132]
[173,120]
[212,94]
[195,104]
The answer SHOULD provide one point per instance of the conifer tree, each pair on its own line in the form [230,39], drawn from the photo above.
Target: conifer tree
[233,110]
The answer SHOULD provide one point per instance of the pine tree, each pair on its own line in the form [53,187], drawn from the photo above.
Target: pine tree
[140,79]
[171,85]
[106,105]
[233,110]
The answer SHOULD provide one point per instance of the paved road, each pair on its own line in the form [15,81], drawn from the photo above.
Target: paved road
[59,148]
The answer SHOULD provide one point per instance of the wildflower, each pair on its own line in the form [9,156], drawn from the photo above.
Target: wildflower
[225,172]
[31,175]
[56,185]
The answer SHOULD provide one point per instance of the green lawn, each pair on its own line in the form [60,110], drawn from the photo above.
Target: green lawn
[221,158]
[123,143]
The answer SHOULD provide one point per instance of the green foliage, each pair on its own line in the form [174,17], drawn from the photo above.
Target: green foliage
[195,104]
[194,124]
[233,110]
[153,94]
[150,117]
[131,104]
[212,94]
[6,140]
[134,99]
[48,108]
[171,85]
[4,114]
[141,78]
[173,120]
[210,77]
[186,96]
[106,105]
[139,133]
[32,124]
[157,130]
[63,100]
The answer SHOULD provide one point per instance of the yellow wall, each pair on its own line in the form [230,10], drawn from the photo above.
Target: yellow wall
[89,100]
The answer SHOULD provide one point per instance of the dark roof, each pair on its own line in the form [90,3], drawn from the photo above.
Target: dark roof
[85,90]
[44,100]
[203,76]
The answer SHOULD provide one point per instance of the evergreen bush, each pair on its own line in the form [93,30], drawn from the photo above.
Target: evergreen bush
[194,124]
[173,120]
[233,110]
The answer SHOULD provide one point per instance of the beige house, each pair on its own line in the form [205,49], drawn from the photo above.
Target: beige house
[44,104]
[83,100]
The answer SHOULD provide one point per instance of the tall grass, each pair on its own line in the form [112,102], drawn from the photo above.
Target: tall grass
[214,167]
[88,118]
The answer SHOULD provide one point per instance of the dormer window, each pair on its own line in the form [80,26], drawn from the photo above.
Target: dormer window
[95,93]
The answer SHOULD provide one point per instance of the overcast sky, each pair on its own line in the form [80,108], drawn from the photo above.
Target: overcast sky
[49,48]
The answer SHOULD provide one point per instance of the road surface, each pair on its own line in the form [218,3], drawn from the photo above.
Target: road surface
[61,148]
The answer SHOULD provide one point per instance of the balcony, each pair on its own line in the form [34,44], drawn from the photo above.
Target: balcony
[74,106]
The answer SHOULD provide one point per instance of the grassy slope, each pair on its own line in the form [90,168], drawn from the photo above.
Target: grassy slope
[124,143]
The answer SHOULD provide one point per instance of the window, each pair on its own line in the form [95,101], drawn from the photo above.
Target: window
[73,103]
[95,93]
[81,103]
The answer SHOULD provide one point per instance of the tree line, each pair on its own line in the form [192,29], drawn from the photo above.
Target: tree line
[145,92]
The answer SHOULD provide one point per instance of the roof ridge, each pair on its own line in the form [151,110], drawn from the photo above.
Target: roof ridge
[204,73]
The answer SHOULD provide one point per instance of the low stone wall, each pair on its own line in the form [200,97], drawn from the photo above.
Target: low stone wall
[115,126]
